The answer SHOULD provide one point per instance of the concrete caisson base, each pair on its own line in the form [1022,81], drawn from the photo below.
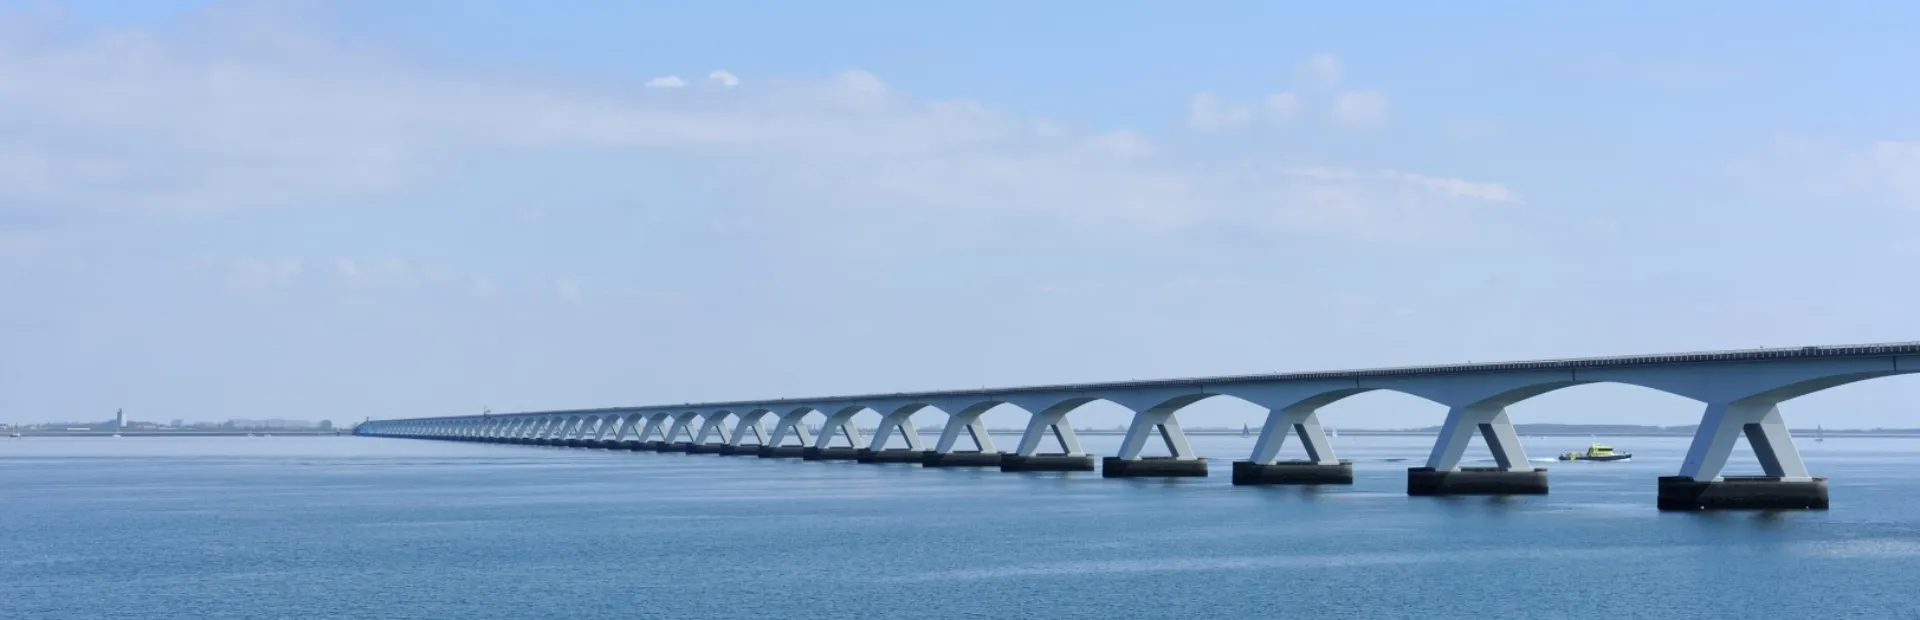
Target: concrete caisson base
[1476,481]
[782,452]
[1153,467]
[831,454]
[1742,493]
[738,450]
[654,446]
[590,443]
[1292,472]
[632,444]
[1046,462]
[890,456]
[677,447]
[961,459]
[706,448]
[543,442]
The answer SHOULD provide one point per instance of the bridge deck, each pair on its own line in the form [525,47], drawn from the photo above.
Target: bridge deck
[1578,363]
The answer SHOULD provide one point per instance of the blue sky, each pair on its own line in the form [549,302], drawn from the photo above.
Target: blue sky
[352,209]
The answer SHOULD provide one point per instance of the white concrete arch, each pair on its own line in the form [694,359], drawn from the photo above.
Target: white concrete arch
[750,423]
[840,423]
[713,425]
[630,425]
[793,421]
[682,429]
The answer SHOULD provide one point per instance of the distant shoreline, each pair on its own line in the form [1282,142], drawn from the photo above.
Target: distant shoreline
[48,433]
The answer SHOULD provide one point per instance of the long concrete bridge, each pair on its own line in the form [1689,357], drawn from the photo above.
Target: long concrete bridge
[1741,391]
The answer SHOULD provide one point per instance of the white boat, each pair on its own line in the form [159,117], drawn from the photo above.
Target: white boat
[1333,433]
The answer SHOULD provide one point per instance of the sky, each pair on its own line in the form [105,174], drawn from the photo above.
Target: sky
[359,209]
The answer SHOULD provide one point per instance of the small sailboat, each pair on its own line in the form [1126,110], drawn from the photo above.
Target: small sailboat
[1819,434]
[1245,432]
[1333,433]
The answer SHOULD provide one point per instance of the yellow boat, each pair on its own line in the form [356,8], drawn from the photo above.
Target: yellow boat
[1596,452]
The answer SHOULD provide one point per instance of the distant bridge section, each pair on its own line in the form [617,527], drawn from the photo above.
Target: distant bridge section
[1741,390]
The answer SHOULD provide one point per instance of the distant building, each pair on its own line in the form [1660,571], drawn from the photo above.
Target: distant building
[119,419]
[178,423]
[326,425]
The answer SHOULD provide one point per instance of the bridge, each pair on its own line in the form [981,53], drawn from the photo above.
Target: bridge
[1741,390]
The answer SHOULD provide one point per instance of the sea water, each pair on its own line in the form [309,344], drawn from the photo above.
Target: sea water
[394,529]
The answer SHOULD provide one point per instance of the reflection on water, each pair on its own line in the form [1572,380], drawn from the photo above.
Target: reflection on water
[380,528]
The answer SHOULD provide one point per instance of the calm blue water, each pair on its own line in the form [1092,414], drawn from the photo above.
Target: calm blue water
[402,529]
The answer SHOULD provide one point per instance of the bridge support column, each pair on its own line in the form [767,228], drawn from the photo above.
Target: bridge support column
[749,423]
[791,422]
[1700,486]
[840,423]
[967,421]
[1443,475]
[901,421]
[1320,466]
[1027,457]
[1182,462]
[715,425]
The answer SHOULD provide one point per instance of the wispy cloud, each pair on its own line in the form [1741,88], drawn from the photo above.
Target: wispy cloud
[244,113]
[1363,109]
[666,81]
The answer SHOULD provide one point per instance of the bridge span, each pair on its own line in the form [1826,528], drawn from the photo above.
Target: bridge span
[1741,391]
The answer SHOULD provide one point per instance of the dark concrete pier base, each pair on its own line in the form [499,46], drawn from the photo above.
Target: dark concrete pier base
[1152,467]
[782,452]
[654,446]
[543,442]
[1046,462]
[1476,481]
[706,448]
[1742,493]
[1292,472]
[677,447]
[571,443]
[831,454]
[961,459]
[591,443]
[738,450]
[889,456]
[632,444]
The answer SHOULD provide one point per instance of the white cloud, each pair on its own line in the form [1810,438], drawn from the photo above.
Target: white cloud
[666,81]
[1322,70]
[567,289]
[1283,107]
[1360,109]
[228,119]
[1207,112]
[724,77]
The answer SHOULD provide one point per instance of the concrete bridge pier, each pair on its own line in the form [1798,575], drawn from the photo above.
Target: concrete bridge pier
[1320,466]
[790,422]
[715,426]
[840,423]
[968,421]
[748,424]
[1443,475]
[1028,458]
[901,421]
[1182,462]
[1700,486]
